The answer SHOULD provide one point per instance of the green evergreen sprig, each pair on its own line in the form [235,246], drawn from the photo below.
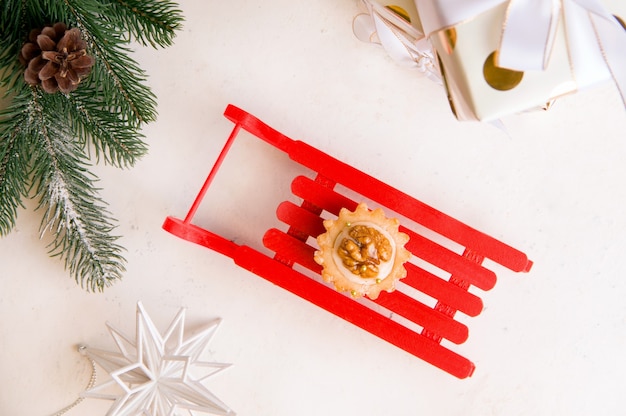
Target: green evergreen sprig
[48,141]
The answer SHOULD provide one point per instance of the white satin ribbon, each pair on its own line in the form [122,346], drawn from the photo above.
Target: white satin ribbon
[521,46]
[403,42]
[596,40]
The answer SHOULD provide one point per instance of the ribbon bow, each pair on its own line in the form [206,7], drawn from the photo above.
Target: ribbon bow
[403,42]
[596,40]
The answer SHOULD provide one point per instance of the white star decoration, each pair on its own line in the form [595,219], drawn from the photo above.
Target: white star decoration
[158,375]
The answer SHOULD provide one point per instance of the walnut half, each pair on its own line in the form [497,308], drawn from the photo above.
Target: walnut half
[363,250]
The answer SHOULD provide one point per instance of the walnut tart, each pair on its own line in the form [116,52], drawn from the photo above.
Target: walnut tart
[362,252]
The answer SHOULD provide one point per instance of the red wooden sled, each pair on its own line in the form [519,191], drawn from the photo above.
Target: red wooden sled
[401,317]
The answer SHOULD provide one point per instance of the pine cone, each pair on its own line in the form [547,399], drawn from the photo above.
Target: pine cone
[56,58]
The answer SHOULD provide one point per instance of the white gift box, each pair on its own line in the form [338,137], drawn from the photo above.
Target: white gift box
[500,57]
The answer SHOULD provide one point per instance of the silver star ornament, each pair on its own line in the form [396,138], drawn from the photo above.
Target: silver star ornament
[158,375]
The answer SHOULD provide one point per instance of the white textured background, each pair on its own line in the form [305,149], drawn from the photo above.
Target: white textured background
[551,342]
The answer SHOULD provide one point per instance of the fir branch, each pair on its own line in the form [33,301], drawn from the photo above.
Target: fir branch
[53,10]
[76,216]
[153,23]
[11,185]
[122,85]
[115,74]
[46,140]
[14,164]
[11,27]
[118,142]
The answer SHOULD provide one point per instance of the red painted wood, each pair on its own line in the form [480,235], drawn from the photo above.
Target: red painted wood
[442,290]
[434,286]
[319,195]
[420,246]
[384,194]
[402,203]
[353,312]
[397,302]
[300,218]
[198,235]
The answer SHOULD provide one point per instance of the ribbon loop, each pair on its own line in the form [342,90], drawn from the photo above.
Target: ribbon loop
[403,42]
[528,34]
